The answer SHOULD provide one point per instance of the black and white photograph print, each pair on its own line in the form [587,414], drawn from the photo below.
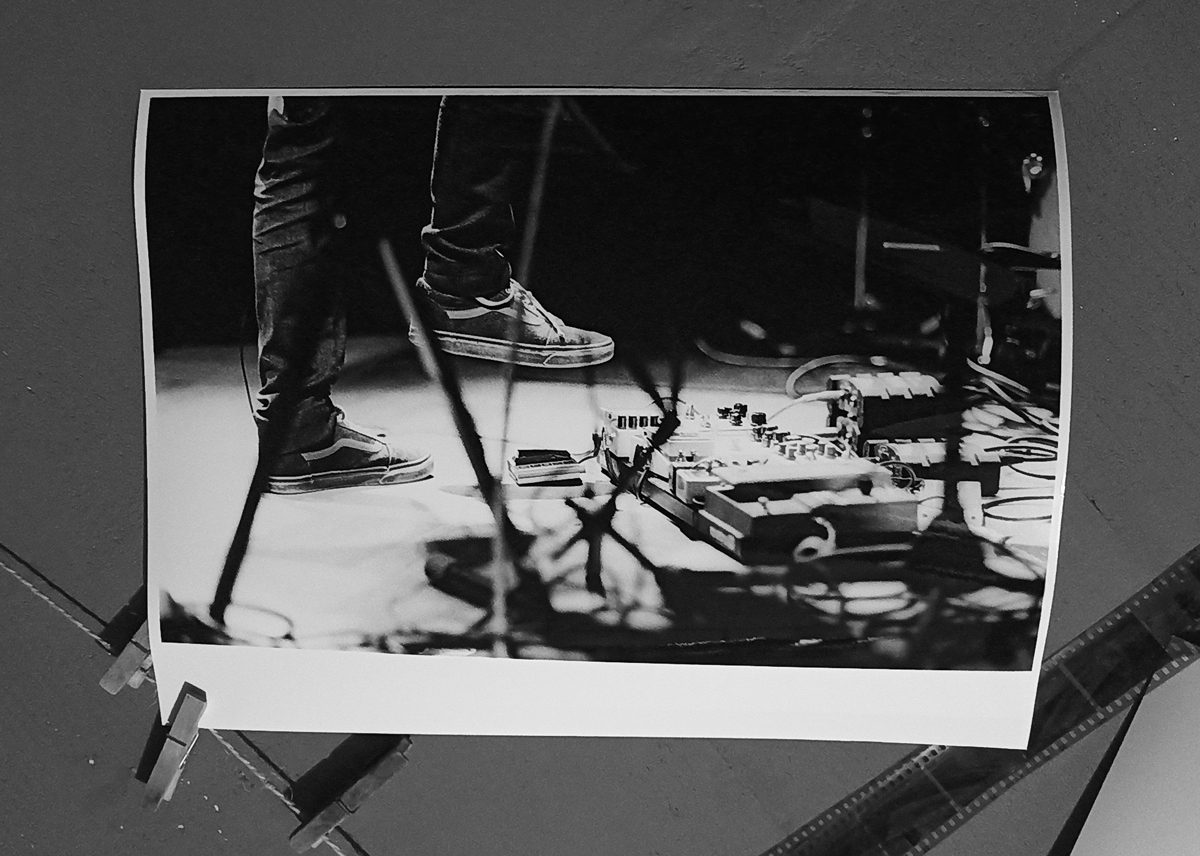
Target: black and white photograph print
[605,412]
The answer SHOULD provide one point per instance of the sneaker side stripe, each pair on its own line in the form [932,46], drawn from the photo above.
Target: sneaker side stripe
[341,443]
[463,314]
[476,312]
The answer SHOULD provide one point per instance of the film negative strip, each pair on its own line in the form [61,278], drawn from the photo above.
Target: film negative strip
[912,806]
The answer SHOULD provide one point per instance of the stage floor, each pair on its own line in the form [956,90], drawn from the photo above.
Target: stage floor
[338,566]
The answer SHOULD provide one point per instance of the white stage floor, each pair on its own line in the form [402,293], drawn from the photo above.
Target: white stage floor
[346,563]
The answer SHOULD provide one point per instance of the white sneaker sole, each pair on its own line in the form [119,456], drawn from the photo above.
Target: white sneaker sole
[534,356]
[409,471]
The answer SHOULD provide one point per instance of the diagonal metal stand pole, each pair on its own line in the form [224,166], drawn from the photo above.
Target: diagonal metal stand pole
[268,450]
[442,370]
[270,443]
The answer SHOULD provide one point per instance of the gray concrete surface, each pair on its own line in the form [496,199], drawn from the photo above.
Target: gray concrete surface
[70,396]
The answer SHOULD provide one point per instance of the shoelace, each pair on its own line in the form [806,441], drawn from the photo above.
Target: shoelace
[531,304]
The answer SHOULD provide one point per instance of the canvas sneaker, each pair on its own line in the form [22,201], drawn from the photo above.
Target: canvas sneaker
[479,327]
[352,457]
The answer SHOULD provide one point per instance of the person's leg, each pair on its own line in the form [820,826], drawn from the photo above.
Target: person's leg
[480,143]
[468,277]
[301,315]
[301,320]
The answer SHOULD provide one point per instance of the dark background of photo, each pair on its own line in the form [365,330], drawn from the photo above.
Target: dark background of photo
[71,453]
[711,221]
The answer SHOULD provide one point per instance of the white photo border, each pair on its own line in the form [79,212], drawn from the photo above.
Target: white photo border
[270,689]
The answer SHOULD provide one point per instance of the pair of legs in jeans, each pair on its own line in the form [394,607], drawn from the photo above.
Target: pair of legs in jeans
[467,281]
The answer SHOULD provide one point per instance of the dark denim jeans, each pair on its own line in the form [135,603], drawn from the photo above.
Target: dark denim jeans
[301,314]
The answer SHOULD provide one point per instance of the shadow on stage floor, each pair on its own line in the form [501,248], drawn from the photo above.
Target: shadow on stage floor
[346,569]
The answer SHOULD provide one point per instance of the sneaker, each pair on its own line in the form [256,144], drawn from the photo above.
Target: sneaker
[479,327]
[352,457]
